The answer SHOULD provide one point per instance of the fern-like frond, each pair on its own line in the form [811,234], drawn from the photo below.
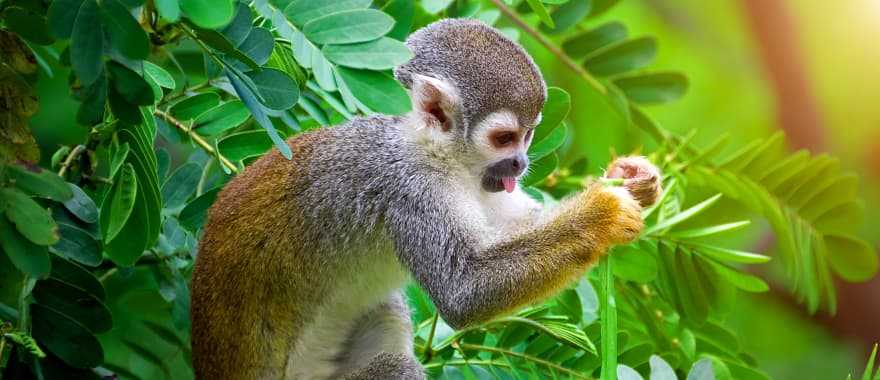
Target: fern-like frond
[812,207]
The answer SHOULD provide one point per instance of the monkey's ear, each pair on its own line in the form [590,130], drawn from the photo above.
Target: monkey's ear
[434,101]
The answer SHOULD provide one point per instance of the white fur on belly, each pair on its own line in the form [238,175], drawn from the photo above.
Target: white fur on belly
[369,283]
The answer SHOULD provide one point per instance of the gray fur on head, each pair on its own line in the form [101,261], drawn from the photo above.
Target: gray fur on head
[490,71]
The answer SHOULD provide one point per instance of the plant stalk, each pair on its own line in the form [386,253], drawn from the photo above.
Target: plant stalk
[198,139]
[550,46]
[608,318]
[69,160]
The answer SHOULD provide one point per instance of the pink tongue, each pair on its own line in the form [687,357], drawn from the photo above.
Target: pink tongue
[509,184]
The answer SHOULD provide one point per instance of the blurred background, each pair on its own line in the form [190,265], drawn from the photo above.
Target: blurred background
[808,67]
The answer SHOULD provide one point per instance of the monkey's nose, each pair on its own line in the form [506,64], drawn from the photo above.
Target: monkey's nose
[518,164]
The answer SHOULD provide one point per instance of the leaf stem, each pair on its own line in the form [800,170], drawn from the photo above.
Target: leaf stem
[550,46]
[429,350]
[69,160]
[531,358]
[198,139]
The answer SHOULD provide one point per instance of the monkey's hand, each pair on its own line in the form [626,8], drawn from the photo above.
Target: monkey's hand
[620,220]
[640,177]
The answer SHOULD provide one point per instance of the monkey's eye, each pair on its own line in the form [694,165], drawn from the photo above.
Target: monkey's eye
[504,139]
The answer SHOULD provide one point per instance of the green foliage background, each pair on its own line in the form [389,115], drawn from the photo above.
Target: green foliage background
[147,107]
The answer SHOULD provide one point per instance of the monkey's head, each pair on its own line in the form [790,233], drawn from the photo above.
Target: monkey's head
[474,89]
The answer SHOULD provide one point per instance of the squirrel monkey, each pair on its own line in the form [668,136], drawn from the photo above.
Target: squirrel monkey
[301,263]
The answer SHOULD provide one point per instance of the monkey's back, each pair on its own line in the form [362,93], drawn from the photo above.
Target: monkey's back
[265,259]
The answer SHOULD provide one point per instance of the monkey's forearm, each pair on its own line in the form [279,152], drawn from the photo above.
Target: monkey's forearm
[530,266]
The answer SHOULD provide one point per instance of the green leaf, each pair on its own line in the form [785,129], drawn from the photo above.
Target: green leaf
[78,245]
[222,118]
[569,303]
[378,91]
[549,144]
[661,370]
[27,257]
[702,370]
[852,259]
[654,87]
[435,6]
[77,276]
[627,373]
[94,99]
[219,42]
[584,43]
[708,231]
[683,216]
[241,25]
[568,15]
[278,90]
[75,303]
[130,85]
[250,100]
[180,186]
[87,43]
[117,207]
[27,24]
[62,16]
[555,110]
[732,255]
[542,13]
[258,45]
[169,10]
[192,217]
[81,205]
[741,280]
[31,219]
[195,105]
[65,338]
[841,219]
[622,57]
[209,14]
[303,11]
[359,25]
[124,110]
[39,182]
[634,264]
[866,374]
[540,169]
[403,12]
[159,75]
[242,145]
[125,33]
[382,54]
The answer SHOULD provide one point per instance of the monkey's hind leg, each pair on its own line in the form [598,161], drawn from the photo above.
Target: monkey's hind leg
[380,345]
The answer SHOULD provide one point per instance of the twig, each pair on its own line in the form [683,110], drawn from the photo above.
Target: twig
[69,160]
[550,46]
[198,139]
[429,350]
[537,360]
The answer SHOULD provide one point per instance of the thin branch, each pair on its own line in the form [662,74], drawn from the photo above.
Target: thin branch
[69,160]
[429,350]
[550,46]
[198,139]
[531,358]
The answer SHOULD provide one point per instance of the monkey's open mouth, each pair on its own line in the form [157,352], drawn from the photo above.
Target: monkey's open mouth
[496,184]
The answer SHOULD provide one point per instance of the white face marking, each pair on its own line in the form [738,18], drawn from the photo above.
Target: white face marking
[497,121]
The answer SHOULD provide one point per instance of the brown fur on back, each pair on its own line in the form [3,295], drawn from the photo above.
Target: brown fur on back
[244,308]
